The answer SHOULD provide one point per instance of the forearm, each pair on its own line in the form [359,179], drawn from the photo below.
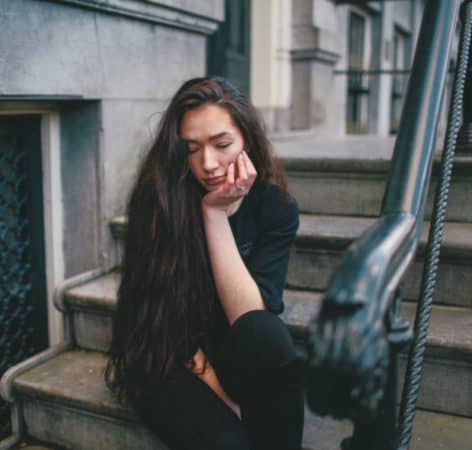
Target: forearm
[237,290]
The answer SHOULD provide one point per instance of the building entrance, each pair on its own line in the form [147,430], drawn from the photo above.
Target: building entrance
[23,295]
[228,50]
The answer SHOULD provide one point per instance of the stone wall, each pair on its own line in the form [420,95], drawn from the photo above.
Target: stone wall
[319,56]
[110,69]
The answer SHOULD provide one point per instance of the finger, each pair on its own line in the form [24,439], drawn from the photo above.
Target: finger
[250,169]
[230,174]
[242,172]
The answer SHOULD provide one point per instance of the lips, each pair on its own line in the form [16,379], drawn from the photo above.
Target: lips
[213,181]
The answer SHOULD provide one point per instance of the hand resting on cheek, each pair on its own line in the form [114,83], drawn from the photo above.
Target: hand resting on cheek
[240,177]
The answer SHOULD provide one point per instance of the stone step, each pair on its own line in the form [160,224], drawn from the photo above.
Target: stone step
[25,446]
[448,367]
[355,187]
[321,239]
[446,385]
[66,403]
[32,444]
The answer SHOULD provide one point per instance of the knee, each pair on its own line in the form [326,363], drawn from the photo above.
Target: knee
[259,339]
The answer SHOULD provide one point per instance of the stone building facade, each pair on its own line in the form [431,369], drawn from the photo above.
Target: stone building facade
[330,66]
[93,77]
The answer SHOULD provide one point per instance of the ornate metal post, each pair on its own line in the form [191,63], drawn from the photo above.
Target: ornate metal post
[381,432]
[464,140]
[354,340]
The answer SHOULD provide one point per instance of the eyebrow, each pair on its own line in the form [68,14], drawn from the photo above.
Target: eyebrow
[211,138]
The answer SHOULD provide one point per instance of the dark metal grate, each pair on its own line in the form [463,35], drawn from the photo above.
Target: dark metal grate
[16,332]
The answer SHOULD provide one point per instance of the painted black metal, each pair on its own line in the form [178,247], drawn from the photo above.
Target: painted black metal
[355,337]
[23,316]
[423,312]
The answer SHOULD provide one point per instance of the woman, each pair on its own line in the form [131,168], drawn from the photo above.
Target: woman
[197,347]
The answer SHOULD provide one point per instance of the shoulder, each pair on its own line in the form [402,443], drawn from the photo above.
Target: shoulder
[276,207]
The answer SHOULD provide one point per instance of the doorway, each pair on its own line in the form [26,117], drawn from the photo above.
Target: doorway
[228,50]
[23,294]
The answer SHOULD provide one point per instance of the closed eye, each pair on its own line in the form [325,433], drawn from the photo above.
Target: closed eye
[224,145]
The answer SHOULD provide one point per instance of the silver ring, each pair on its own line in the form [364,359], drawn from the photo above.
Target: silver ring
[241,188]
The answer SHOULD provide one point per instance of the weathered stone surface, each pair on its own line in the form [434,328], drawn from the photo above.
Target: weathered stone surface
[78,429]
[446,385]
[337,193]
[449,343]
[430,431]
[99,294]
[124,66]
[439,431]
[450,326]
[321,240]
[92,329]
[66,403]
[355,186]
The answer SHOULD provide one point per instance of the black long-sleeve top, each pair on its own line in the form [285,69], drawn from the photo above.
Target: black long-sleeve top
[264,228]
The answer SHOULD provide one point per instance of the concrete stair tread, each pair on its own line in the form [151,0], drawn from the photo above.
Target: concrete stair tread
[321,240]
[430,431]
[33,447]
[355,186]
[75,379]
[449,329]
[98,294]
[337,232]
[361,163]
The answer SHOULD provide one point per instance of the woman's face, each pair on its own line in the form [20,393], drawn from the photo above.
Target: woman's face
[213,142]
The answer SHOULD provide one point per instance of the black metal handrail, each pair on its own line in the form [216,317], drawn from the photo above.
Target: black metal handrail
[354,339]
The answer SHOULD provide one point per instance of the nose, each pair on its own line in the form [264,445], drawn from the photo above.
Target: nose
[210,160]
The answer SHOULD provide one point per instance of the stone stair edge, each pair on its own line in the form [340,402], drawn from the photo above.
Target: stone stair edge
[74,378]
[98,294]
[446,334]
[335,232]
[338,232]
[313,424]
[51,381]
[462,165]
[46,383]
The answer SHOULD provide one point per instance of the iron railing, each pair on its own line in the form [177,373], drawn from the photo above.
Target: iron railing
[16,308]
[361,84]
[355,339]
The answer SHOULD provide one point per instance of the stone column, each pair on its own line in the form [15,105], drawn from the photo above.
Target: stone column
[270,69]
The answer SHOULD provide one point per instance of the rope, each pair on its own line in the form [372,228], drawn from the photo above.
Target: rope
[423,312]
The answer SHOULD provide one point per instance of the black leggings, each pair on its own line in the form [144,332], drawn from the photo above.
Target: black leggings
[259,370]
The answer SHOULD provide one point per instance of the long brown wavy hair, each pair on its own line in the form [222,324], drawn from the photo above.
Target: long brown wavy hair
[167,298]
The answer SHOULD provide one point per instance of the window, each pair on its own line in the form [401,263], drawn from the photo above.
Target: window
[400,78]
[357,81]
